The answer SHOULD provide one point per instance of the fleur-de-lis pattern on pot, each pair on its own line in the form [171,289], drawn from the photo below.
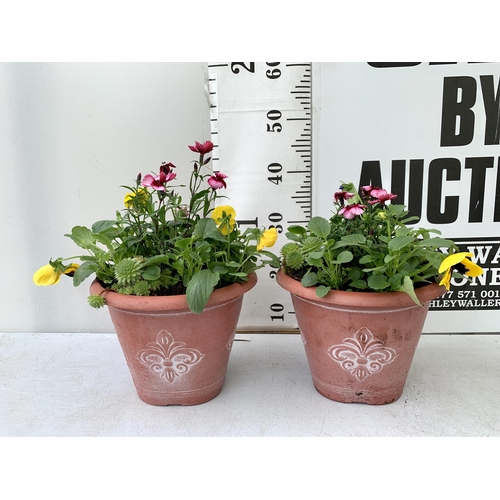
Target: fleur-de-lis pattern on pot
[167,358]
[363,355]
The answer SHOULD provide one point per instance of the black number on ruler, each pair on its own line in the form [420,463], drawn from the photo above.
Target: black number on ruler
[274,114]
[236,70]
[275,168]
[249,222]
[277,308]
[276,217]
[273,73]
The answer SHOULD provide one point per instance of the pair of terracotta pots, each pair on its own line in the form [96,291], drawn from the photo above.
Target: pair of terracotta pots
[176,357]
[359,345]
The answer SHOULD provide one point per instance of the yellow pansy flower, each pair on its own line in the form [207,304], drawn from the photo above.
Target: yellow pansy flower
[458,262]
[141,197]
[268,238]
[71,269]
[224,216]
[47,275]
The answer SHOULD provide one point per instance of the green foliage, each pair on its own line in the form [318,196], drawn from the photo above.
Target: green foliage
[159,245]
[199,289]
[365,245]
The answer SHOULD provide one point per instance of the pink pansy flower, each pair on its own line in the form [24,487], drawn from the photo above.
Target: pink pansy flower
[350,211]
[204,148]
[157,181]
[216,181]
[342,195]
[381,196]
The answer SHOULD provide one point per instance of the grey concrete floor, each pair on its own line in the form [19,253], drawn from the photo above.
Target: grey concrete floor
[78,385]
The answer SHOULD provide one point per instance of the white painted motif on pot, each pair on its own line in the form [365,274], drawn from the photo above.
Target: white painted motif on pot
[362,355]
[167,358]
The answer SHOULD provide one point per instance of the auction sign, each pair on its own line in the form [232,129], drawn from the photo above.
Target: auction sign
[428,132]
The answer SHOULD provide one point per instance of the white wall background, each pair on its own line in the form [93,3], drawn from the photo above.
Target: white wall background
[70,135]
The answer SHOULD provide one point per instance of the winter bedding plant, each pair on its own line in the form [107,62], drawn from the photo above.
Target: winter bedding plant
[160,244]
[367,246]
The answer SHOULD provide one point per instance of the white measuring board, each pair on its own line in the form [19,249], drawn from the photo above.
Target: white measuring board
[261,127]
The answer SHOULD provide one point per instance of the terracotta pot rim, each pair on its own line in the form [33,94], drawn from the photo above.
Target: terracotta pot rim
[170,302]
[370,299]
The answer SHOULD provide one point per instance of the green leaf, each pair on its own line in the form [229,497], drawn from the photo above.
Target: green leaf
[200,288]
[198,196]
[408,288]
[379,269]
[220,269]
[314,262]
[294,237]
[377,282]
[322,290]
[297,230]
[395,281]
[84,271]
[435,243]
[207,228]
[101,237]
[317,255]
[319,227]
[184,243]
[151,273]
[413,218]
[195,256]
[274,262]
[309,279]
[343,257]
[358,284]
[403,231]
[354,239]
[158,259]
[203,247]
[354,273]
[400,242]
[102,225]
[178,265]
[83,237]
[366,259]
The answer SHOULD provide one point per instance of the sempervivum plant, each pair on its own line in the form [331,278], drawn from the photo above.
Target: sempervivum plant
[367,246]
[160,244]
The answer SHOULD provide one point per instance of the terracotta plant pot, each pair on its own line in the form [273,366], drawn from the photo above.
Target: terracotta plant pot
[176,357]
[359,345]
